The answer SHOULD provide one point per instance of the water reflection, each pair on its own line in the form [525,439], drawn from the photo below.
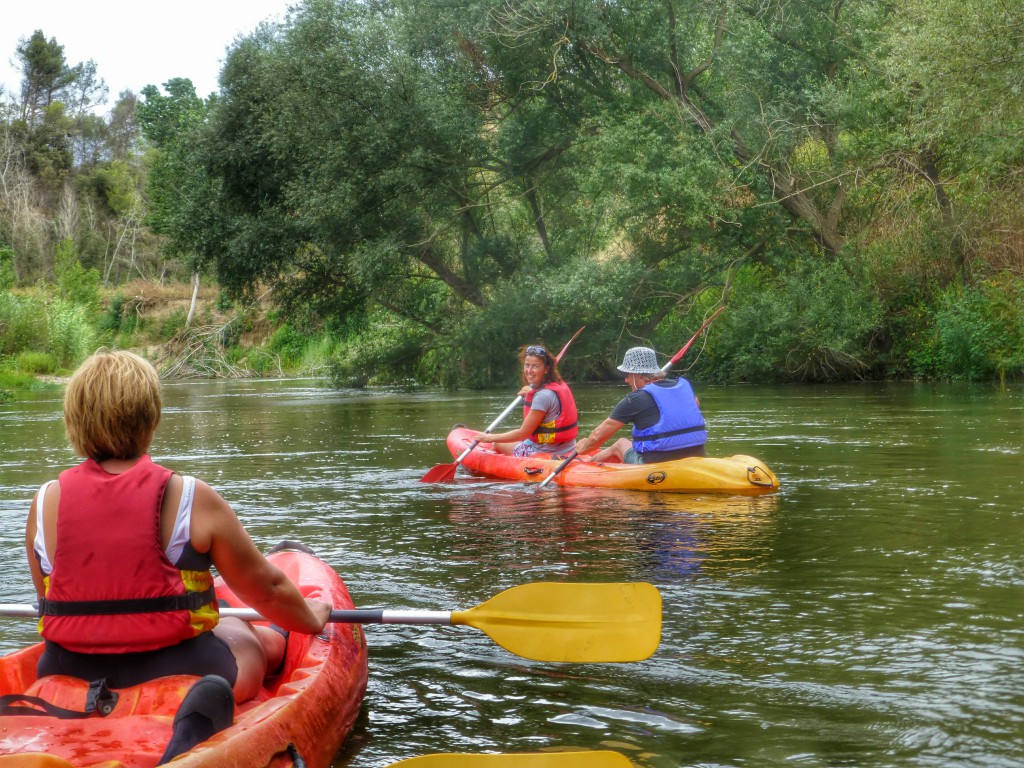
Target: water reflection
[624,534]
[868,614]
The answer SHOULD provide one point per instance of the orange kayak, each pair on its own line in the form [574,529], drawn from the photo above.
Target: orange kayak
[300,717]
[739,474]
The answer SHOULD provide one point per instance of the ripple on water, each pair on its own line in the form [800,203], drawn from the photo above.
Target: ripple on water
[866,615]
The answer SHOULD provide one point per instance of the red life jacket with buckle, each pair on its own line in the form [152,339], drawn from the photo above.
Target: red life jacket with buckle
[111,588]
[559,430]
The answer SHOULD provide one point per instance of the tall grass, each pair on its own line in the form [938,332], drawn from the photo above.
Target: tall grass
[43,337]
[72,337]
[22,324]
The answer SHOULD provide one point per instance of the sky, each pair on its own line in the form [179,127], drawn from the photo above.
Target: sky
[135,43]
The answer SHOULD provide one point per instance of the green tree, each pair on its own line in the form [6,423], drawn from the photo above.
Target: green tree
[954,124]
[756,80]
[45,75]
[75,283]
[48,149]
[123,130]
[183,198]
[349,167]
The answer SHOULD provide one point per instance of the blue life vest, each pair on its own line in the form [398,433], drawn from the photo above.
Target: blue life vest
[681,424]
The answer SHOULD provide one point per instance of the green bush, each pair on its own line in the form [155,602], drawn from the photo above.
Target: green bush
[288,343]
[387,351]
[7,274]
[171,324]
[978,332]
[37,363]
[14,380]
[480,349]
[317,353]
[22,323]
[812,323]
[115,320]
[71,337]
[75,283]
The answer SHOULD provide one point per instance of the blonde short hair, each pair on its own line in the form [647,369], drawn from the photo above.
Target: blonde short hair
[112,406]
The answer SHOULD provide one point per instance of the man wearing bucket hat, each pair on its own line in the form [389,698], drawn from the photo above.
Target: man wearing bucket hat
[666,418]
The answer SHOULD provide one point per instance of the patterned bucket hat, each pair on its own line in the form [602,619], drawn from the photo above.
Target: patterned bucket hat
[640,360]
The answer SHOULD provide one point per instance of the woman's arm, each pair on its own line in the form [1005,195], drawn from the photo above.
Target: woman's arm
[217,530]
[533,419]
[30,536]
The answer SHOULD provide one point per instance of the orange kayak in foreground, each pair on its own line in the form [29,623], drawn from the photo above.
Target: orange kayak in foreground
[739,474]
[300,718]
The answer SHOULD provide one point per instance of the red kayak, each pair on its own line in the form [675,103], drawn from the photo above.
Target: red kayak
[300,718]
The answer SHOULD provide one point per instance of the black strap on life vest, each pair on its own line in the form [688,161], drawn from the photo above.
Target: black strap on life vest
[672,433]
[190,601]
[99,702]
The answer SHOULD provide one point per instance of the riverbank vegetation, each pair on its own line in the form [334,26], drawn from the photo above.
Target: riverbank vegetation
[408,191]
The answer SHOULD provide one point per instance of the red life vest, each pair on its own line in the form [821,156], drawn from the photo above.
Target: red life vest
[560,430]
[111,588]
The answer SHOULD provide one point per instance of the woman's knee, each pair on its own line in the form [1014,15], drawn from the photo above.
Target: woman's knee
[249,656]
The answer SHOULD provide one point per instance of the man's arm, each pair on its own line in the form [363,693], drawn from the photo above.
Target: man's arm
[601,433]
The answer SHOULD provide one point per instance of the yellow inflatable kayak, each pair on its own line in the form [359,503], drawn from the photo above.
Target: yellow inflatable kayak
[738,474]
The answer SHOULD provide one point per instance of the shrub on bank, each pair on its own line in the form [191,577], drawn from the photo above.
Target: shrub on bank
[813,323]
[43,338]
[37,363]
[381,350]
[22,323]
[977,333]
[72,336]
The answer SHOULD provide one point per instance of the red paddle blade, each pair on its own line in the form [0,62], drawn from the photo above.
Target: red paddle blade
[442,473]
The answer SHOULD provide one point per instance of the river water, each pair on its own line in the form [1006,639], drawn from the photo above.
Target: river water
[871,613]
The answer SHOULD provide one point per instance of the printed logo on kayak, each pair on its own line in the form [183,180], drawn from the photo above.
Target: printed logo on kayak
[656,477]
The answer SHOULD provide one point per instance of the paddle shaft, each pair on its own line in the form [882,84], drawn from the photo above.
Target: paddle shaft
[559,468]
[493,424]
[575,759]
[338,616]
[361,616]
[664,369]
[686,346]
[543,621]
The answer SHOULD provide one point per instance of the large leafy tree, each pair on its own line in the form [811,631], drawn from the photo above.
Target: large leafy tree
[56,106]
[183,197]
[756,80]
[952,125]
[405,155]
[358,168]
[45,75]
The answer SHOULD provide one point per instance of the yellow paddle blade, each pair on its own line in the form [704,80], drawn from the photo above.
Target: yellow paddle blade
[603,759]
[548,621]
[33,760]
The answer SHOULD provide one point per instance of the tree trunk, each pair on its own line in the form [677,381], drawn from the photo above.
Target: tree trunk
[195,299]
[538,219]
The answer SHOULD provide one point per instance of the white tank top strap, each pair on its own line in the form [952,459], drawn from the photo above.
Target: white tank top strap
[39,542]
[182,533]
[180,536]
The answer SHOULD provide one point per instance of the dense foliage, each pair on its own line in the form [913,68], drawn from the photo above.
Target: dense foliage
[422,186]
